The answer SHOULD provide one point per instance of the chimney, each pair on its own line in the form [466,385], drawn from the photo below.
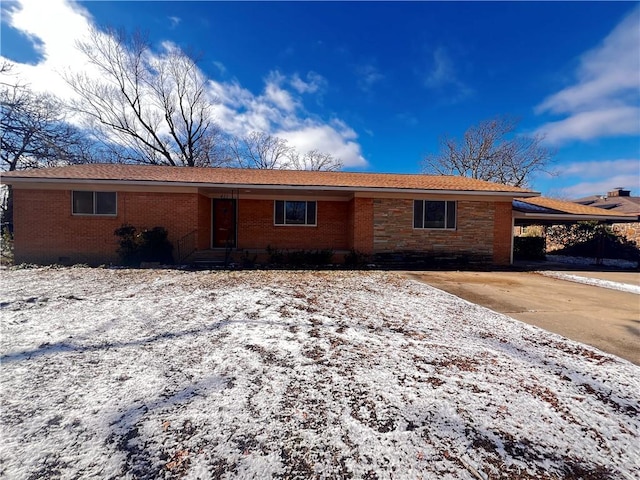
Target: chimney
[619,192]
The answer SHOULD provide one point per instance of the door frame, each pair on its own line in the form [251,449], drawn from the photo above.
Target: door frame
[213,223]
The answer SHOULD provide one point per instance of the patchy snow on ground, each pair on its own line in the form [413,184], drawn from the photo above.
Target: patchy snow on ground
[597,282]
[289,375]
[607,262]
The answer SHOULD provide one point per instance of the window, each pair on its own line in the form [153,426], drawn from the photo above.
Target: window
[94,203]
[294,212]
[434,214]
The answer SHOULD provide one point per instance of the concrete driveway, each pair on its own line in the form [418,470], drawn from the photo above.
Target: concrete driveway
[601,317]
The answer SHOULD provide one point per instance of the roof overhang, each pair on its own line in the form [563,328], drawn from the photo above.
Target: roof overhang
[548,211]
[20,181]
[522,218]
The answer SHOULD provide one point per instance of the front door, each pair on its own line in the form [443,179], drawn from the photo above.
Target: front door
[223,212]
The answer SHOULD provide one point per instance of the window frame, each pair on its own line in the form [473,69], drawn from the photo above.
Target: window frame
[284,213]
[446,226]
[94,206]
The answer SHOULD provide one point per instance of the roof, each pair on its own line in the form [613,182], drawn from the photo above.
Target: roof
[617,204]
[236,177]
[544,208]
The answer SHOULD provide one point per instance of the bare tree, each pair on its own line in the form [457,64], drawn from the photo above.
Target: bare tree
[148,108]
[314,160]
[490,151]
[260,150]
[34,133]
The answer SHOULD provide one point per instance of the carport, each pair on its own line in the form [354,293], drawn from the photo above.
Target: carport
[549,211]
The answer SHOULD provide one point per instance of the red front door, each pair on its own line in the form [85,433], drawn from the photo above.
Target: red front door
[223,223]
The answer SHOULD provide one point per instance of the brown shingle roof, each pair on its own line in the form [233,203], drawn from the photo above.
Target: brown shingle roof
[236,176]
[560,206]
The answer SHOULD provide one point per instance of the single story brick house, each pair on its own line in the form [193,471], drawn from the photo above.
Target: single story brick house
[69,214]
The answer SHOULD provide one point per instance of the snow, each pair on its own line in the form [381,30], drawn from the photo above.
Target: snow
[607,262]
[623,287]
[271,374]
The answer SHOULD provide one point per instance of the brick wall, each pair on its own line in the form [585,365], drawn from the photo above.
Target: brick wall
[257,231]
[46,231]
[361,225]
[204,223]
[502,233]
[476,236]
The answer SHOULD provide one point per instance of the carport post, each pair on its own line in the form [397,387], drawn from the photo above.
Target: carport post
[513,226]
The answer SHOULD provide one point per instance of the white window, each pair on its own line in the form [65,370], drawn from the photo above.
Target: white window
[434,214]
[287,212]
[94,203]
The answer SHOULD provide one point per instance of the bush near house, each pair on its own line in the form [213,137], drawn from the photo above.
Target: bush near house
[298,258]
[529,248]
[148,245]
[592,239]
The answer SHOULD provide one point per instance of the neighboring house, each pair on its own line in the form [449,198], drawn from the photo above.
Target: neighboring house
[69,214]
[619,200]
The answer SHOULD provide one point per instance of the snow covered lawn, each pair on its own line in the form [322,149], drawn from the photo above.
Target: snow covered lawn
[171,374]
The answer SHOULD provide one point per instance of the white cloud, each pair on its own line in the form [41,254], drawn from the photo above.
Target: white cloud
[174,21]
[336,140]
[604,100]
[593,124]
[55,26]
[276,110]
[600,177]
[368,75]
[599,169]
[240,112]
[221,68]
[442,76]
[276,95]
[314,83]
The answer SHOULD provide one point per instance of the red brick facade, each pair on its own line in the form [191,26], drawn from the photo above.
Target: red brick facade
[47,232]
[256,229]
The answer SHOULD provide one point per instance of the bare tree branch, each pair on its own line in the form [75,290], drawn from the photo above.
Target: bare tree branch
[260,150]
[149,108]
[491,151]
[313,160]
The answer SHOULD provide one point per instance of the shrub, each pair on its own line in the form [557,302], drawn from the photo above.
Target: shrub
[6,246]
[155,246]
[592,239]
[276,257]
[356,259]
[128,245]
[150,245]
[299,258]
[529,248]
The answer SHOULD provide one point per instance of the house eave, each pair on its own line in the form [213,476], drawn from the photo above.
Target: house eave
[568,217]
[265,187]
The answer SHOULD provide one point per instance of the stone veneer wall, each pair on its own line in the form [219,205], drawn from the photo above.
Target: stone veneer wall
[474,236]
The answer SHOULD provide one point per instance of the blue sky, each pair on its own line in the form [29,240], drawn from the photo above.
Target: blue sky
[377,83]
